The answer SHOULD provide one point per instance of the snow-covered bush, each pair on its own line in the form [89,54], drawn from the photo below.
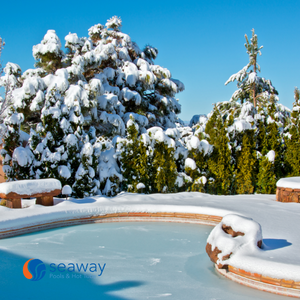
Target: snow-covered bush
[17,160]
[147,160]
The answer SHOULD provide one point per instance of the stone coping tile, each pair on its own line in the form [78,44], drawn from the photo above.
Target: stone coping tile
[266,284]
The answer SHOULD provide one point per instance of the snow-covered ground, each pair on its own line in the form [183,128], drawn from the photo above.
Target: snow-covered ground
[279,258]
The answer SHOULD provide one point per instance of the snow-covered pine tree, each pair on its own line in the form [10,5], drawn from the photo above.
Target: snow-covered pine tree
[48,53]
[110,176]
[191,169]
[147,160]
[261,136]
[135,165]
[51,143]
[292,139]
[85,183]
[266,179]
[259,111]
[250,86]
[245,167]
[111,78]
[274,139]
[17,160]
[165,168]
[10,81]
[197,167]
[219,162]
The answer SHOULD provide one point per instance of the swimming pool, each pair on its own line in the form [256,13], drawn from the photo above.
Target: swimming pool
[141,260]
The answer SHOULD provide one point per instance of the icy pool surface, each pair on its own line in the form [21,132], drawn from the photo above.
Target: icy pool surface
[143,261]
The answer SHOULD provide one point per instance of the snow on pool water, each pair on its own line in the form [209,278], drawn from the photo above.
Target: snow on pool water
[143,261]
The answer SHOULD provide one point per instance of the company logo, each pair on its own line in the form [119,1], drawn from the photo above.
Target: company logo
[34,269]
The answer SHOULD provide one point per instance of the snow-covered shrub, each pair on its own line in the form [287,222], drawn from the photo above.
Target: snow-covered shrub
[266,179]
[17,161]
[148,160]
[135,164]
[110,176]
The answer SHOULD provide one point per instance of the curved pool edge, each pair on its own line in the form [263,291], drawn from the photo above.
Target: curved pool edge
[263,283]
[210,220]
[277,286]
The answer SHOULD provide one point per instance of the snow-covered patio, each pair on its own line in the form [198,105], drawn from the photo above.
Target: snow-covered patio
[279,258]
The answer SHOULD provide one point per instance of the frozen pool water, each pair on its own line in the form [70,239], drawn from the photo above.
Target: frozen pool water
[143,260]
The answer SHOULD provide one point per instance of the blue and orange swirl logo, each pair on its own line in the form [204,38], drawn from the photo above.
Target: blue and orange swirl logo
[34,269]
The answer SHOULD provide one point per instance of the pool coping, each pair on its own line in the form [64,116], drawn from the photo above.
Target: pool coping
[257,281]
[116,217]
[263,283]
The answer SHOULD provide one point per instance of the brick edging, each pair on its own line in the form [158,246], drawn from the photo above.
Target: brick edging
[257,281]
[116,217]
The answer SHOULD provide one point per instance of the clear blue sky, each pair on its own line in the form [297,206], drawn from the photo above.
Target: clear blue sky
[200,42]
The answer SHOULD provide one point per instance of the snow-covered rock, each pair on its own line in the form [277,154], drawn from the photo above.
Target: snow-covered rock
[235,234]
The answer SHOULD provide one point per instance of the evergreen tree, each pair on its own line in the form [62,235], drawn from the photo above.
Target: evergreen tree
[61,147]
[134,161]
[199,173]
[85,184]
[246,160]
[48,53]
[219,163]
[261,137]
[292,154]
[250,86]
[17,159]
[191,169]
[10,81]
[164,165]
[47,142]
[266,179]
[147,160]
[99,83]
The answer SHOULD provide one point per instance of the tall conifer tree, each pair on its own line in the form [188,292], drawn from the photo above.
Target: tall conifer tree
[219,163]
[246,160]
[250,86]
[292,154]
